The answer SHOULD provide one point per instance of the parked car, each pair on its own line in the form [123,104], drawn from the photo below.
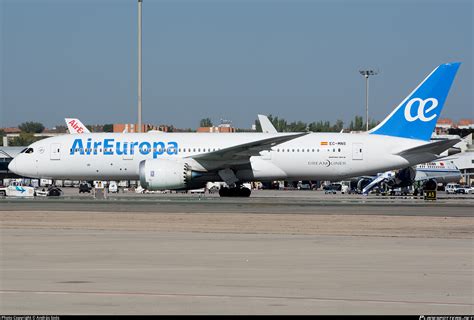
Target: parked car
[332,188]
[304,185]
[54,191]
[113,187]
[464,190]
[452,188]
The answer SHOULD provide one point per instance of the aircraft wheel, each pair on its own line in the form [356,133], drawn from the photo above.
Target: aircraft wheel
[235,192]
[245,192]
[224,192]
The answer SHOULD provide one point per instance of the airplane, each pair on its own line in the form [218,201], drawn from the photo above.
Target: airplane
[189,160]
[426,173]
[75,126]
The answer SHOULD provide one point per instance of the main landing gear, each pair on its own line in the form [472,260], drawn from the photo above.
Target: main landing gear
[237,191]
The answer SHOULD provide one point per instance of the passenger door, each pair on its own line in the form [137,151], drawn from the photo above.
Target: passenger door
[55,151]
[357,151]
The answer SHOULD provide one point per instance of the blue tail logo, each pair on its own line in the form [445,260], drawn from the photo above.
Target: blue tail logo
[416,116]
[422,110]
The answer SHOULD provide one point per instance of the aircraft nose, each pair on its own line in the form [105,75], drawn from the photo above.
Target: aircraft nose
[12,166]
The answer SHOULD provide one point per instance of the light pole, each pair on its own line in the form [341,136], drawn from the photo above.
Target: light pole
[139,66]
[366,73]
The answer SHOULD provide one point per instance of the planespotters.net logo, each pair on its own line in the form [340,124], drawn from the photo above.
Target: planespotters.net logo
[446,317]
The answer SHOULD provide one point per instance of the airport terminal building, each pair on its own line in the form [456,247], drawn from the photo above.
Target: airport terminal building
[6,156]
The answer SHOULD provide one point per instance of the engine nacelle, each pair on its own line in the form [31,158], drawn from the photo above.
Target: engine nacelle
[402,178]
[162,174]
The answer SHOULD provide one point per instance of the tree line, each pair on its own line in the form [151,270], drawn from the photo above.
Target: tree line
[29,128]
[281,125]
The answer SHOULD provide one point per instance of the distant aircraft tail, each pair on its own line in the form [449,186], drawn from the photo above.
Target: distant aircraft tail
[416,116]
[76,126]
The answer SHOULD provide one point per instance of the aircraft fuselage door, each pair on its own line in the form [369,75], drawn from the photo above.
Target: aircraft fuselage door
[55,151]
[357,151]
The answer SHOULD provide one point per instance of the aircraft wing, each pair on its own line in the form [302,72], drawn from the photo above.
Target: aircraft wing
[432,149]
[243,152]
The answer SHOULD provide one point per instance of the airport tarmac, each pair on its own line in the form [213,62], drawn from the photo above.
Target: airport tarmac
[294,253]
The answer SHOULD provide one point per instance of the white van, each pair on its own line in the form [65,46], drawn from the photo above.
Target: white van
[452,187]
[113,187]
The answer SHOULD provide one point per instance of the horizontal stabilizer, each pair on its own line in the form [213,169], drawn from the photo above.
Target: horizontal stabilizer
[432,149]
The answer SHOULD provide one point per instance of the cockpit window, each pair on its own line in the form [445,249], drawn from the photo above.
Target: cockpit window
[29,150]
[22,151]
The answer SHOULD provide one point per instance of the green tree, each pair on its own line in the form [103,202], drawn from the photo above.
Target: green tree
[297,126]
[357,124]
[25,139]
[31,127]
[338,126]
[206,122]
[2,134]
[280,124]
[258,126]
[373,123]
[108,127]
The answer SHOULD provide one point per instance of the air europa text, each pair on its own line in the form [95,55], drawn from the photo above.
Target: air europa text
[112,147]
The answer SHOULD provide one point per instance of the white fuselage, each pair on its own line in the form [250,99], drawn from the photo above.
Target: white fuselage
[441,171]
[116,156]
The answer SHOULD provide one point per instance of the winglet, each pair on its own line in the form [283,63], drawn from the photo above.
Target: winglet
[267,126]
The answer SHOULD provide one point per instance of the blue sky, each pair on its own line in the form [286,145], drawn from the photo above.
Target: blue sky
[226,59]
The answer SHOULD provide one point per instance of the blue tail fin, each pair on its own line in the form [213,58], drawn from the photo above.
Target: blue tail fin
[416,116]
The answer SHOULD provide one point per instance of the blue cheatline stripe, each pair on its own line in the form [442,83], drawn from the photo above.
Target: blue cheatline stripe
[435,171]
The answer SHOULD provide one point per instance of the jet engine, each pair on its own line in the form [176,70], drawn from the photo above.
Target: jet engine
[162,174]
[402,178]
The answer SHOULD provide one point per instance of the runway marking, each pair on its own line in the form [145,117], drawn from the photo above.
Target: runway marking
[226,296]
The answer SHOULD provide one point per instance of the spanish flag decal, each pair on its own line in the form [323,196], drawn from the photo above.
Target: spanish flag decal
[324,143]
